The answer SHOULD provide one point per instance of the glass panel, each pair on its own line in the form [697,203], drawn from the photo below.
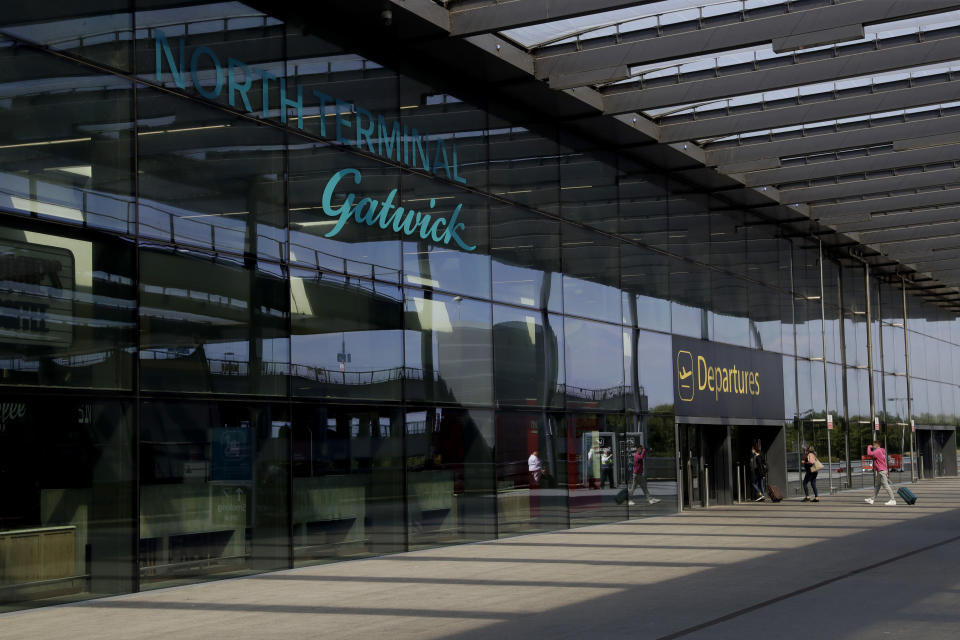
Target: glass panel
[66,150]
[588,189]
[591,275]
[523,167]
[327,185]
[528,357]
[209,179]
[453,253]
[194,49]
[67,523]
[526,258]
[643,206]
[212,325]
[100,32]
[531,473]
[594,353]
[448,349]
[598,467]
[654,356]
[347,482]
[346,338]
[644,279]
[66,311]
[451,496]
[214,490]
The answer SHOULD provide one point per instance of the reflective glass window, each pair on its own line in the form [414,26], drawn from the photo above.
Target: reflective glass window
[528,357]
[214,496]
[644,279]
[101,32]
[594,361]
[212,325]
[67,309]
[67,520]
[346,337]
[655,366]
[591,268]
[209,179]
[531,473]
[347,482]
[450,476]
[66,147]
[328,190]
[446,245]
[523,166]
[448,349]
[525,248]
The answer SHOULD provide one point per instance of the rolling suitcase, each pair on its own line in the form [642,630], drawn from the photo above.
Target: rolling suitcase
[622,496]
[906,495]
[773,492]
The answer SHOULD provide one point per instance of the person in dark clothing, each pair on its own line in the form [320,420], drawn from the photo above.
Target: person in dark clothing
[758,465]
[809,460]
[606,468]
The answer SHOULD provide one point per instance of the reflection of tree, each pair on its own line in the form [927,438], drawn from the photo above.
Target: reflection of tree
[660,426]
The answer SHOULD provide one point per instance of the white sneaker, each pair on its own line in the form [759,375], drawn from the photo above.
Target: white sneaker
[891,503]
[653,500]
[632,503]
[868,500]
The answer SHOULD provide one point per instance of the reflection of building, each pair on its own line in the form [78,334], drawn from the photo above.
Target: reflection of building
[308,290]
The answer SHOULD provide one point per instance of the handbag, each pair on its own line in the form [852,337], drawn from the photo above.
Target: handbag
[817,465]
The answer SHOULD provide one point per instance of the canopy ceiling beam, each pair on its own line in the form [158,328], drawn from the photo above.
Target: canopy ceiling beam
[511,14]
[622,99]
[863,164]
[607,52]
[840,211]
[919,232]
[900,219]
[835,140]
[916,180]
[832,109]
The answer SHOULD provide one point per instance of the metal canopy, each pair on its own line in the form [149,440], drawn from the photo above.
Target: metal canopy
[844,112]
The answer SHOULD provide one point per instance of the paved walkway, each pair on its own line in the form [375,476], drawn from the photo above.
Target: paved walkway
[838,569]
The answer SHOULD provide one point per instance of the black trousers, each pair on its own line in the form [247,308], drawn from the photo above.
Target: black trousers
[606,472]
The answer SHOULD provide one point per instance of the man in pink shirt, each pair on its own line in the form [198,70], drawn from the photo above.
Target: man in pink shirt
[879,456]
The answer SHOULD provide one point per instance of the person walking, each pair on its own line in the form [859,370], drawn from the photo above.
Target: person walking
[606,468]
[639,478]
[811,466]
[759,467]
[880,478]
[534,467]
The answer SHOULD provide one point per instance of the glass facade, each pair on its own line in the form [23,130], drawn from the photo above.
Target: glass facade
[265,302]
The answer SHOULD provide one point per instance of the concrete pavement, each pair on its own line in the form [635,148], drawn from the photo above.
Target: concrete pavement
[836,569]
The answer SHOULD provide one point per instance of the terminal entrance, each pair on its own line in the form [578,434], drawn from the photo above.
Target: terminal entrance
[715,462]
[936,449]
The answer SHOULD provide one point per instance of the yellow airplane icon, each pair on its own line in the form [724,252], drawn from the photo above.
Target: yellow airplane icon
[684,374]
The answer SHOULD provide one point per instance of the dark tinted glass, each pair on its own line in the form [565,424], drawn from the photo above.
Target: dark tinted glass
[214,497]
[450,475]
[531,473]
[328,189]
[526,257]
[66,148]
[67,521]
[347,482]
[66,309]
[212,325]
[208,179]
[453,252]
[594,360]
[102,34]
[591,266]
[448,348]
[346,339]
[528,357]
